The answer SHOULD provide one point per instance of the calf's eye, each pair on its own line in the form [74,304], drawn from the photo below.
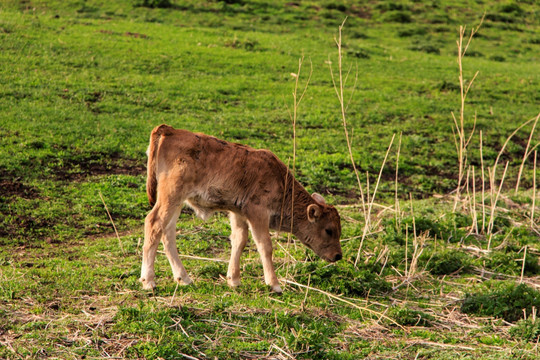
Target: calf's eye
[329,232]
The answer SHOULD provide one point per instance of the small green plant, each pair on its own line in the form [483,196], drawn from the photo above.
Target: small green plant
[446,262]
[511,263]
[527,330]
[427,48]
[412,32]
[162,4]
[343,278]
[247,44]
[410,317]
[397,16]
[505,300]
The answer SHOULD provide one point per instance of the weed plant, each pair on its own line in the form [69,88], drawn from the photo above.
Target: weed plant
[504,300]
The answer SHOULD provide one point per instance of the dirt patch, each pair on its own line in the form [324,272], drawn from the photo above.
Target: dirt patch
[18,224]
[359,11]
[127,33]
[78,169]
[15,188]
[23,226]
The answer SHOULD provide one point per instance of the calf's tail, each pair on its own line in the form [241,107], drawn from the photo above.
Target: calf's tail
[152,152]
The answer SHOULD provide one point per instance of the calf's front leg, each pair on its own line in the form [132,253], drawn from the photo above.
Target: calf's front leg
[261,236]
[239,237]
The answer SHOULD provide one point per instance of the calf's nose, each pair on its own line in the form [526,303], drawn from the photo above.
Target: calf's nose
[338,257]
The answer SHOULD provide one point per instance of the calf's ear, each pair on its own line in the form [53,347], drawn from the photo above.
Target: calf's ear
[318,198]
[313,212]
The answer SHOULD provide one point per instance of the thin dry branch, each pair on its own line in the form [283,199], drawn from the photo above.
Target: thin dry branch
[533,205]
[370,206]
[112,222]
[494,203]
[294,117]
[508,140]
[340,95]
[526,154]
[464,140]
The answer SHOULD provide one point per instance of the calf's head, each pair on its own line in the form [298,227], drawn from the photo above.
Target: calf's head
[322,230]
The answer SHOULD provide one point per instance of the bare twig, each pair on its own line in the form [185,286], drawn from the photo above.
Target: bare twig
[523,265]
[370,205]
[483,185]
[112,222]
[533,205]
[340,95]
[526,154]
[294,117]
[396,200]
[494,203]
[464,140]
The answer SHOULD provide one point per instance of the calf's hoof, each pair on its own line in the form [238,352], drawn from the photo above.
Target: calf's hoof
[233,282]
[184,281]
[277,289]
[148,285]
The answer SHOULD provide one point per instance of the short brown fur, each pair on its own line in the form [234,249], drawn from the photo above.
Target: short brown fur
[254,186]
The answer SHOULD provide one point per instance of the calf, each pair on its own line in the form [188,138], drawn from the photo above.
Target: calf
[253,186]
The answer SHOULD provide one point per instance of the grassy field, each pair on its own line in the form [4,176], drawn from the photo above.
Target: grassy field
[427,273]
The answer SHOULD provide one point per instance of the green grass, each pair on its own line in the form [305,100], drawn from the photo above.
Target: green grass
[84,82]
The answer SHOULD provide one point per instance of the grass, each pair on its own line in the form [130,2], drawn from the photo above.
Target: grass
[84,82]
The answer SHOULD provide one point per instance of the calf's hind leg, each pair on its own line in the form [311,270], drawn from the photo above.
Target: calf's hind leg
[157,227]
[239,237]
[169,243]
[153,231]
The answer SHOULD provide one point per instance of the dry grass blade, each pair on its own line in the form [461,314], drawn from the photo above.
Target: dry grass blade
[533,205]
[340,95]
[494,203]
[287,355]
[335,297]
[112,222]
[523,265]
[370,206]
[188,356]
[526,154]
[396,199]
[483,184]
[198,257]
[508,140]
[294,117]
[464,140]
[297,99]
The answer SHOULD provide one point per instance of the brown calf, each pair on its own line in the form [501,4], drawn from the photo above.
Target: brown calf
[253,186]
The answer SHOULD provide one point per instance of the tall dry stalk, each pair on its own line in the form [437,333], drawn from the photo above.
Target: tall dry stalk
[523,265]
[396,199]
[473,207]
[483,184]
[410,270]
[463,139]
[533,205]
[494,189]
[372,201]
[296,103]
[112,222]
[526,154]
[494,201]
[340,92]
[297,99]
